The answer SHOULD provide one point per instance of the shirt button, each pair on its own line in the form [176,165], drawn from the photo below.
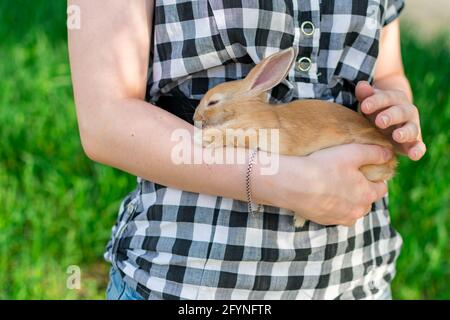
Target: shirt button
[130,207]
[304,64]
[307,28]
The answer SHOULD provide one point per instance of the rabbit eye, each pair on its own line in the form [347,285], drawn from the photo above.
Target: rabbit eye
[213,102]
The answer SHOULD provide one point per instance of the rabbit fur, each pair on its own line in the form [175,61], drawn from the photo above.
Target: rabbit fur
[304,126]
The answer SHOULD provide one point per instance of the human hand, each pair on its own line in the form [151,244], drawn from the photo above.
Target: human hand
[395,115]
[327,186]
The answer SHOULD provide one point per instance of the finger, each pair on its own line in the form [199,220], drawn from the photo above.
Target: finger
[396,115]
[383,99]
[363,90]
[417,151]
[362,154]
[349,223]
[408,133]
[380,189]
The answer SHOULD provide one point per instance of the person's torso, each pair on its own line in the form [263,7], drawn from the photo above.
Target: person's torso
[176,244]
[198,44]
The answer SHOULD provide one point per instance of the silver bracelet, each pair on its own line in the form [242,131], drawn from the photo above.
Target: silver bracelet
[248,183]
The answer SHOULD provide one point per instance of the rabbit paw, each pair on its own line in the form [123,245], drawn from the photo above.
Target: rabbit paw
[299,222]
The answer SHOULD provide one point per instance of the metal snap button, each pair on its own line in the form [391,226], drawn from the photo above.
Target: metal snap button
[131,207]
[304,64]
[307,28]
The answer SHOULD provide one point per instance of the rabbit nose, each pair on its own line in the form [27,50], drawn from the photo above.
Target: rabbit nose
[198,117]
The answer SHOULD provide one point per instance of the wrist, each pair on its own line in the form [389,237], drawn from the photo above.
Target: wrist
[265,179]
[283,184]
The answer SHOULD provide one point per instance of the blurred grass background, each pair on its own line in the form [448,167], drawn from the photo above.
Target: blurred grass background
[57,207]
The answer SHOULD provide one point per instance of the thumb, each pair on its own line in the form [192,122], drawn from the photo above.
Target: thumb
[363,154]
[363,90]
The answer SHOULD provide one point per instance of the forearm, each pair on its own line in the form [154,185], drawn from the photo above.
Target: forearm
[136,137]
[389,71]
[117,127]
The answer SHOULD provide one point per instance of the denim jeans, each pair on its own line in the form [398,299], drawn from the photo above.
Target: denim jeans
[120,290]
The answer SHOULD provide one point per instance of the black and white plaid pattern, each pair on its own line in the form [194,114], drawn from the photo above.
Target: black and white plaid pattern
[170,243]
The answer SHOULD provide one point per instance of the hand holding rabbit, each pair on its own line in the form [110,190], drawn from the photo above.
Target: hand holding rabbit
[327,186]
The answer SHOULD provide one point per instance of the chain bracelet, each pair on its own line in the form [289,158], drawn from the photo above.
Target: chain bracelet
[248,184]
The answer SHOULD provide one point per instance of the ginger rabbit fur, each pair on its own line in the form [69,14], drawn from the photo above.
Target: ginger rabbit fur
[304,126]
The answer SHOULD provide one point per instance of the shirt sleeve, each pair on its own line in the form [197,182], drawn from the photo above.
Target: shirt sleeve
[393,10]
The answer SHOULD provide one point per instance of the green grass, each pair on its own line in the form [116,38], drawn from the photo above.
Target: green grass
[420,195]
[57,207]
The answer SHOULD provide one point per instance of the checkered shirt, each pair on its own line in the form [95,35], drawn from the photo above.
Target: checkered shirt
[173,244]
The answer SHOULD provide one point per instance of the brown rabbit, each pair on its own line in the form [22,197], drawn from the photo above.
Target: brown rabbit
[304,126]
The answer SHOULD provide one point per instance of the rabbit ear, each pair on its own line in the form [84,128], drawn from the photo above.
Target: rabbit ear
[271,70]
